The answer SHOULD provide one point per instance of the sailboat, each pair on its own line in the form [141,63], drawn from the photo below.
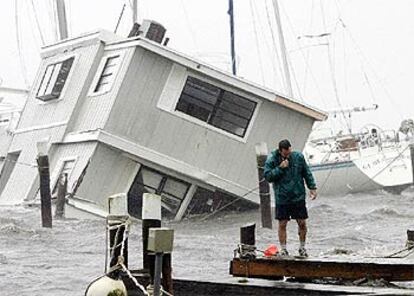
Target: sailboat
[358,162]
[9,116]
[370,159]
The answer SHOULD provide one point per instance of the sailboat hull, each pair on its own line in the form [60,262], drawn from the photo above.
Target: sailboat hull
[390,170]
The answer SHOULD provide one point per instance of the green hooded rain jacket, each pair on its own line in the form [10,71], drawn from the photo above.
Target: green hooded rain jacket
[288,183]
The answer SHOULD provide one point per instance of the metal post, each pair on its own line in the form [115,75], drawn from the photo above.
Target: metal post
[264,189]
[44,177]
[283,49]
[61,196]
[157,274]
[232,45]
[160,242]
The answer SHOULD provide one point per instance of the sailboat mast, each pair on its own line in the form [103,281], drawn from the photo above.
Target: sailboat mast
[283,49]
[232,46]
[62,21]
[134,11]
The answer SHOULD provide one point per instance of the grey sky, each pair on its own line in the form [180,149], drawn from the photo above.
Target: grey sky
[370,44]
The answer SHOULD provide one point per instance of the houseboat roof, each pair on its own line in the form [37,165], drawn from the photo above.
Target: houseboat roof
[113,41]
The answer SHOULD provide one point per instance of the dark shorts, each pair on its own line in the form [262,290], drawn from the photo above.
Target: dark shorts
[291,211]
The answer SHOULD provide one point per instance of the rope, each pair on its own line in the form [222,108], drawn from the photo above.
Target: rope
[409,248]
[137,284]
[232,202]
[120,263]
[166,293]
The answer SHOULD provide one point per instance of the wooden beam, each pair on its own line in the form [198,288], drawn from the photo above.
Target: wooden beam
[185,203]
[264,188]
[223,285]
[317,269]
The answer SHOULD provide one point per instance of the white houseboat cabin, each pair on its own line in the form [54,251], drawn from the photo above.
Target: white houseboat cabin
[132,116]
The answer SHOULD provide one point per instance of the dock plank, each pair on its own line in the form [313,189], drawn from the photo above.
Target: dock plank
[316,269]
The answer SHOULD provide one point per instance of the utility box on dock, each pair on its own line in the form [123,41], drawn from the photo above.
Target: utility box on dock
[160,240]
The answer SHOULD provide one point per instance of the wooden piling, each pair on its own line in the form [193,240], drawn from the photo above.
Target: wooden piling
[264,188]
[115,235]
[45,196]
[248,235]
[410,236]
[167,280]
[412,158]
[151,218]
[61,196]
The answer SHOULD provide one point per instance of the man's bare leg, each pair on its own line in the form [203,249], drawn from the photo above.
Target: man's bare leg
[282,233]
[302,230]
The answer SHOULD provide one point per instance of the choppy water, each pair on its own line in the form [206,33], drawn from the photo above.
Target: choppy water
[63,260]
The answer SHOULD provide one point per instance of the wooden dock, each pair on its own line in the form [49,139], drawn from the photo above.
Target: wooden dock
[321,268]
[231,286]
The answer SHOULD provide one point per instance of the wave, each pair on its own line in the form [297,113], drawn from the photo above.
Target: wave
[338,251]
[328,211]
[322,208]
[3,259]
[14,228]
[386,212]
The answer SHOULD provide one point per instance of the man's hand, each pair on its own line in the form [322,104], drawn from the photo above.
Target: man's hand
[313,194]
[284,164]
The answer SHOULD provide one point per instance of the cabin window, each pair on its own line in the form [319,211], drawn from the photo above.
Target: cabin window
[54,80]
[216,106]
[107,76]
[172,191]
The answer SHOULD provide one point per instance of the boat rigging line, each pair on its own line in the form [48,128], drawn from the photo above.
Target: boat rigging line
[332,68]
[190,27]
[256,38]
[19,43]
[274,43]
[364,60]
[39,29]
[306,58]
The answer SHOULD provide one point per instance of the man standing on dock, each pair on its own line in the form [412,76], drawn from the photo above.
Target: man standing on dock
[287,170]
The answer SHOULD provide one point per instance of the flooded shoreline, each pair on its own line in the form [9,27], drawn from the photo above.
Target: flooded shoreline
[64,259]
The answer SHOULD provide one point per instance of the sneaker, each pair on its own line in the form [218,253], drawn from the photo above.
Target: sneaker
[302,252]
[284,253]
